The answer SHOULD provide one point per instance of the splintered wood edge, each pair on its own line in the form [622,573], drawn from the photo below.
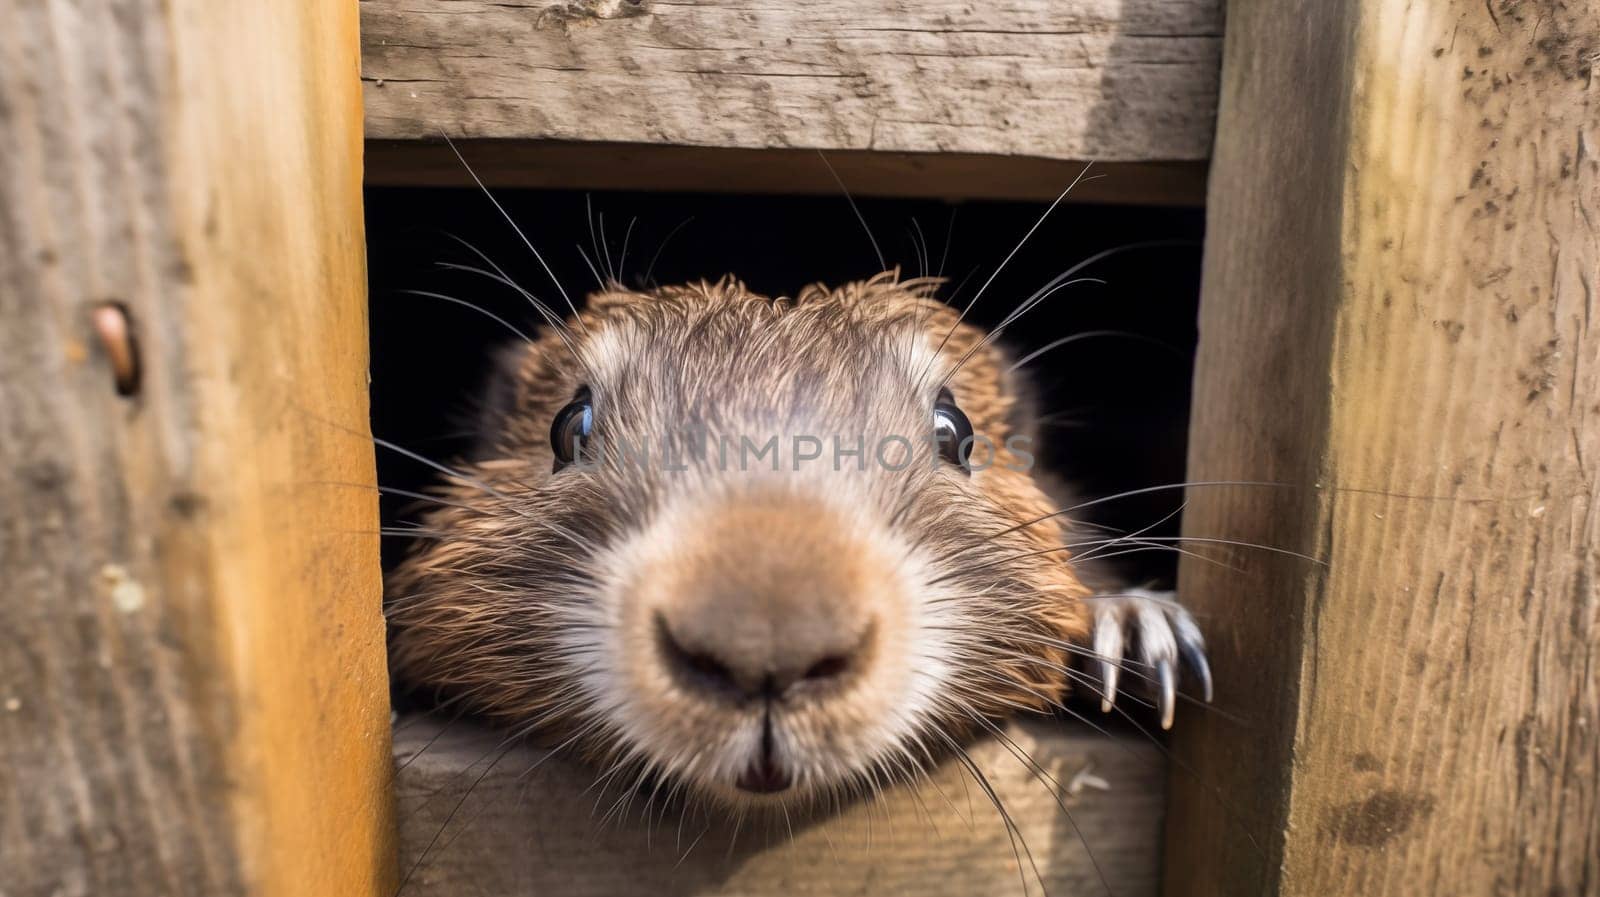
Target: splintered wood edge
[479,818]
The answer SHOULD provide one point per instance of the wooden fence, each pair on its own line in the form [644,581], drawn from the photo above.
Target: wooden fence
[1397,323]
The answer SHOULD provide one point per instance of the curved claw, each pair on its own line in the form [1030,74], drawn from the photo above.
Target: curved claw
[1192,645]
[1108,640]
[1194,656]
[1169,690]
[1158,647]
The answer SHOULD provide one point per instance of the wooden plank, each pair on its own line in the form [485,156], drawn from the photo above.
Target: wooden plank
[1119,81]
[192,687]
[474,823]
[618,166]
[1004,84]
[1398,319]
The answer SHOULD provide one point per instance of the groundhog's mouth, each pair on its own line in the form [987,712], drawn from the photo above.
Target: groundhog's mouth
[766,773]
[764,777]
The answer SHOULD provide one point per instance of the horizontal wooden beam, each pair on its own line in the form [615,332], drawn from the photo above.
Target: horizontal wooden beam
[478,820]
[616,166]
[994,86]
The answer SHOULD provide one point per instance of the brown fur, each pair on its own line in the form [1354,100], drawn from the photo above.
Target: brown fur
[521,565]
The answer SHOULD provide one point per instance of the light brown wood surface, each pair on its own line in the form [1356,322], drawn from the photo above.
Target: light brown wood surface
[1002,84]
[1398,319]
[477,820]
[192,687]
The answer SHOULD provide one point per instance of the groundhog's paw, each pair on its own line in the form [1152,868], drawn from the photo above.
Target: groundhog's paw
[1160,632]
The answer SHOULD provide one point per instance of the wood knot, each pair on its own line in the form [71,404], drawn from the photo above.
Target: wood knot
[1378,819]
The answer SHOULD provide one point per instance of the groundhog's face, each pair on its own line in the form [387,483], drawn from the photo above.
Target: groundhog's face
[760,550]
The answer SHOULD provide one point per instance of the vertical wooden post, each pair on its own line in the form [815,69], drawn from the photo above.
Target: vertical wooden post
[192,686]
[1400,320]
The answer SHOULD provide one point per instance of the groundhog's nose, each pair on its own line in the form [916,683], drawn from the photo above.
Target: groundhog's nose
[741,660]
[769,600]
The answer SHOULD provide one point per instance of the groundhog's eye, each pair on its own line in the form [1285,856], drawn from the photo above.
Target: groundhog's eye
[570,431]
[953,431]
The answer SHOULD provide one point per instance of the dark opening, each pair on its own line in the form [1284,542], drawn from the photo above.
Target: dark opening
[1116,406]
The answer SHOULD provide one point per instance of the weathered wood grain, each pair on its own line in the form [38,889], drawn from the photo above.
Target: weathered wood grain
[479,821]
[192,686]
[1108,80]
[1398,319]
